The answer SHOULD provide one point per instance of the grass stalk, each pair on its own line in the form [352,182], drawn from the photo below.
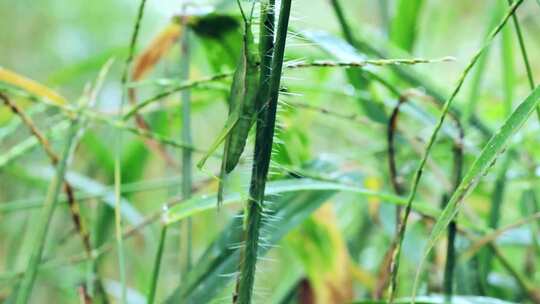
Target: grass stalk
[42,226]
[523,49]
[157,264]
[187,162]
[266,118]
[431,142]
[186,85]
[366,46]
[117,156]
[54,158]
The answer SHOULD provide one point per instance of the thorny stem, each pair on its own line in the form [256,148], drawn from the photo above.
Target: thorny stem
[266,118]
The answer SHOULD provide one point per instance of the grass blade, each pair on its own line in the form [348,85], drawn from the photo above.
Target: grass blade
[117,162]
[187,154]
[431,142]
[371,46]
[157,264]
[47,211]
[481,165]
[524,55]
[205,202]
[26,84]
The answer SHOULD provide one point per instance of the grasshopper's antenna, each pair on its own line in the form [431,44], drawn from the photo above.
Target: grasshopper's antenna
[242,11]
[247,20]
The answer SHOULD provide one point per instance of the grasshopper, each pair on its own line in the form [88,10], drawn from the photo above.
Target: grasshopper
[242,106]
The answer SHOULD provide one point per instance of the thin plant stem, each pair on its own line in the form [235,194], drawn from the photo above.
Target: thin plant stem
[366,46]
[266,118]
[42,226]
[117,162]
[431,142]
[187,162]
[457,173]
[523,49]
[526,286]
[157,264]
[181,87]
[54,158]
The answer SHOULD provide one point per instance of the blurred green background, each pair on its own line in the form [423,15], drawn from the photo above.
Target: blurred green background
[339,248]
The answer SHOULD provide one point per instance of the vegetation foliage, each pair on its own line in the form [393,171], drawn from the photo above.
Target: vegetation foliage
[266,151]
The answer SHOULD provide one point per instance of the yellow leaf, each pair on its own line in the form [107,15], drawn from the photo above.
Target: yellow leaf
[31,86]
[152,54]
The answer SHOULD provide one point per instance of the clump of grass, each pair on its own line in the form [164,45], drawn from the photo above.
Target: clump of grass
[42,226]
[431,142]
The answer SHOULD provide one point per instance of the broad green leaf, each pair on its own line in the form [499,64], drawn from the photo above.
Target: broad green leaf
[480,167]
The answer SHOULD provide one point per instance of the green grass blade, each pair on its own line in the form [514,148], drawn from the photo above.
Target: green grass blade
[405,22]
[481,165]
[207,202]
[523,49]
[431,142]
[47,211]
[347,51]
[117,156]
[157,264]
[187,154]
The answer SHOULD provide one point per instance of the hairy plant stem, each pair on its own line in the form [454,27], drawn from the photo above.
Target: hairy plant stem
[431,142]
[266,118]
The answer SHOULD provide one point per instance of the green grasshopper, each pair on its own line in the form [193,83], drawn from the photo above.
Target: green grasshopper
[242,106]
